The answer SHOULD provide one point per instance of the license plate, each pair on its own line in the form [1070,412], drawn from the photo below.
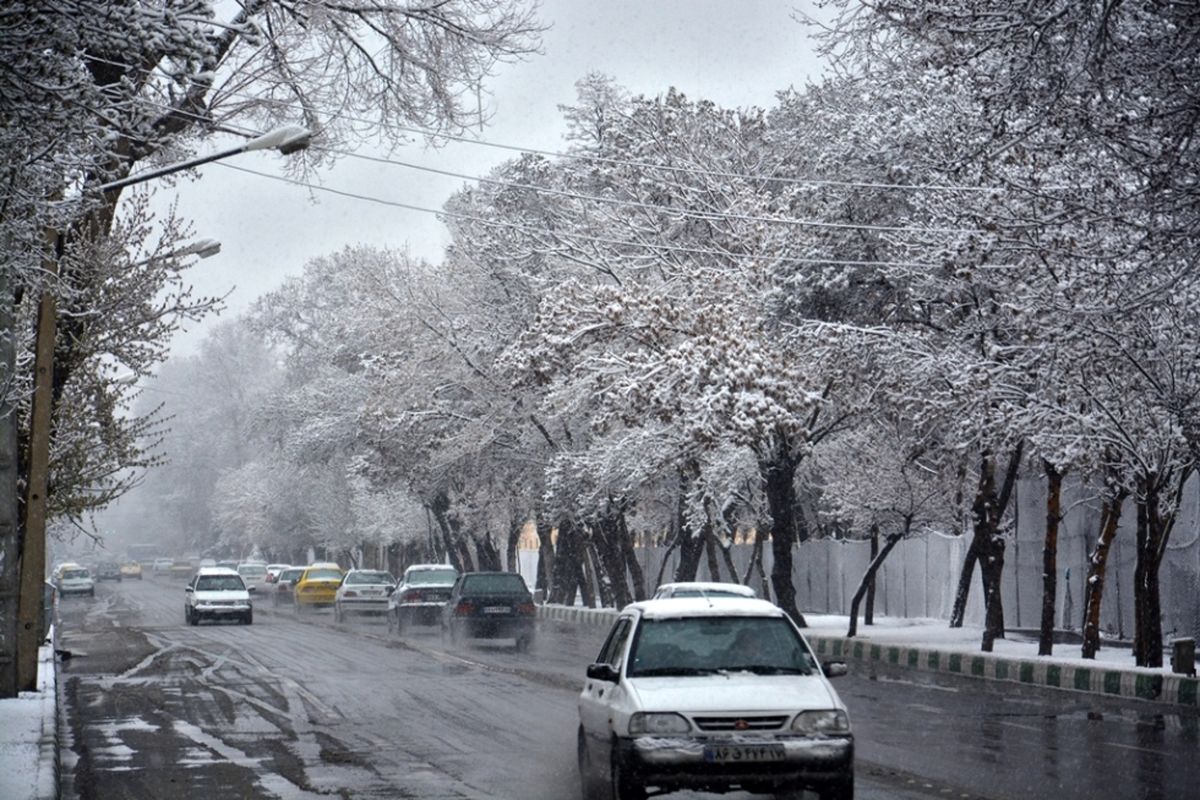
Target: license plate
[496,609]
[743,753]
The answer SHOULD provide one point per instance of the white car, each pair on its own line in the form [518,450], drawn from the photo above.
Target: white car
[419,598]
[161,564]
[711,694]
[217,593]
[73,578]
[703,589]
[254,573]
[363,591]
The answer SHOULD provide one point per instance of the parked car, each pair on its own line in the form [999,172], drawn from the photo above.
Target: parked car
[131,569]
[490,605]
[162,565]
[715,694]
[108,571]
[217,593]
[703,589]
[422,594]
[252,573]
[316,587]
[281,590]
[363,591]
[72,578]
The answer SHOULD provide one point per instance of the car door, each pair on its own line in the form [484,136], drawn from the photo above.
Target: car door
[595,701]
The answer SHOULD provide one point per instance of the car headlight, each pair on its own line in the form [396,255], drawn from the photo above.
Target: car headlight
[643,722]
[832,721]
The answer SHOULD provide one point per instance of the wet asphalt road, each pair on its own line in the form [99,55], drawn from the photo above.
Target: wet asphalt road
[301,708]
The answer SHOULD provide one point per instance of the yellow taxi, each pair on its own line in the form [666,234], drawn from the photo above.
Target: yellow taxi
[317,586]
[131,569]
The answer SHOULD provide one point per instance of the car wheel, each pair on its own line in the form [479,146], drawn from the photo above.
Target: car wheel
[621,785]
[91,593]
[589,787]
[841,789]
[248,619]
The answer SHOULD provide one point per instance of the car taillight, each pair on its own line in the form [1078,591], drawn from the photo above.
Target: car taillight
[350,593]
[463,608]
[526,608]
[411,597]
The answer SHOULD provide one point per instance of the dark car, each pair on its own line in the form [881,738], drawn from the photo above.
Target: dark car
[490,605]
[108,571]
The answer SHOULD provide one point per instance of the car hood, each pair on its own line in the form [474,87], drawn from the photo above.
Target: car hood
[225,596]
[739,692]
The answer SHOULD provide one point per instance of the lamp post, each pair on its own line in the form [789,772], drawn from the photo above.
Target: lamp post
[286,140]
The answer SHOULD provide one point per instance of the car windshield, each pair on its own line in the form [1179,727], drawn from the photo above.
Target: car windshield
[703,593]
[375,578]
[219,583]
[252,571]
[708,645]
[420,576]
[494,584]
[290,575]
[323,575]
[76,573]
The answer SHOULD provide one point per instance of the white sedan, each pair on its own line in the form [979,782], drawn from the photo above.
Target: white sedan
[363,591]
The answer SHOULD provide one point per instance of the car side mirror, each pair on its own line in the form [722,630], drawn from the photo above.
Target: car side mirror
[603,672]
[834,669]
[187,588]
[391,590]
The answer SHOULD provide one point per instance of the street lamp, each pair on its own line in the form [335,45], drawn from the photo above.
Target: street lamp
[286,140]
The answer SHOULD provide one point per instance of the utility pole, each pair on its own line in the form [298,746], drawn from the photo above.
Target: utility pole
[33,549]
[286,140]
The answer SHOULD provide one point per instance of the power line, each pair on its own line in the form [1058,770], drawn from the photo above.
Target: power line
[428,132]
[575,236]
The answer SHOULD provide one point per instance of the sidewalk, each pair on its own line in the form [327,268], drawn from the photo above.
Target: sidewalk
[929,644]
[29,737]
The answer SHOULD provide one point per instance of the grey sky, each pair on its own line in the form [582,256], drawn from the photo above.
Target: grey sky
[734,52]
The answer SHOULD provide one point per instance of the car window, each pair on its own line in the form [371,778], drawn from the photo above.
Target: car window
[219,583]
[76,573]
[375,578]
[494,584]
[420,576]
[323,575]
[615,645]
[704,645]
[289,575]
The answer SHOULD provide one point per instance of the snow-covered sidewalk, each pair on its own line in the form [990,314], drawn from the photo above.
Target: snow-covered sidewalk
[28,738]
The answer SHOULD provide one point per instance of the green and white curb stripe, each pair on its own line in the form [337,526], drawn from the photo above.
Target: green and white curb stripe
[1152,686]
[1158,687]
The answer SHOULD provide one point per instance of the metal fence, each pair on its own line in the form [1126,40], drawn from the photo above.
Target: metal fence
[921,574]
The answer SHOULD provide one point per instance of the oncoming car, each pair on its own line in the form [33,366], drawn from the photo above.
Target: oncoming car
[74,578]
[702,589]
[316,587]
[131,569]
[711,694]
[216,593]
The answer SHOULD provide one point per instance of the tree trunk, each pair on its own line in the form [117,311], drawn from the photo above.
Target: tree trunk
[606,535]
[1050,557]
[755,557]
[9,498]
[662,568]
[869,614]
[1093,588]
[710,551]
[487,553]
[869,576]
[631,562]
[779,474]
[597,576]
[1153,532]
[964,586]
[568,565]
[545,536]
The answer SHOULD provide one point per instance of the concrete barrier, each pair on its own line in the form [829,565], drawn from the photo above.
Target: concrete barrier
[1102,679]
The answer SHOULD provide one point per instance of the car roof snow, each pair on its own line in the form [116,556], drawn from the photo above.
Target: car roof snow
[666,608]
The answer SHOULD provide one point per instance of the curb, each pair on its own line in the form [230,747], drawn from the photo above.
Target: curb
[48,757]
[1136,685]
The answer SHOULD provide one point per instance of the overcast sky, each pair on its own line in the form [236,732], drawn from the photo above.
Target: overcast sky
[734,52]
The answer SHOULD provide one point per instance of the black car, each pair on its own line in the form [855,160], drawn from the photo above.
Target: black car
[490,605]
[108,571]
